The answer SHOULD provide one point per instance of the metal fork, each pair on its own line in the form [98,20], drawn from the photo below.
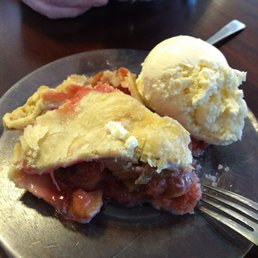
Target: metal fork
[237,212]
[228,30]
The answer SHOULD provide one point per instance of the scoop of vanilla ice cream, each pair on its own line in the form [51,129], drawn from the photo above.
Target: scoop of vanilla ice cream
[190,80]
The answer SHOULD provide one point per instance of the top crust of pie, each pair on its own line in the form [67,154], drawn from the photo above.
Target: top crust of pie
[65,136]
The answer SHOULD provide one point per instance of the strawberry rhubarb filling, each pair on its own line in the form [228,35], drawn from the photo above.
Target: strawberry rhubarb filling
[77,192]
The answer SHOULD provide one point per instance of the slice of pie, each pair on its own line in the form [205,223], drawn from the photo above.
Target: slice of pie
[99,143]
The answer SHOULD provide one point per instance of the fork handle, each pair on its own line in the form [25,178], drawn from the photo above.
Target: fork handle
[228,30]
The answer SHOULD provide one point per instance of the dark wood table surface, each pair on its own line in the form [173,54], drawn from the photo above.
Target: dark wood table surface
[29,40]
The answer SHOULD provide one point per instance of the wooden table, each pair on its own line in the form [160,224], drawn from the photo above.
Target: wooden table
[29,40]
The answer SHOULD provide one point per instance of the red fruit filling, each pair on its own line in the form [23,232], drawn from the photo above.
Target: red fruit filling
[77,192]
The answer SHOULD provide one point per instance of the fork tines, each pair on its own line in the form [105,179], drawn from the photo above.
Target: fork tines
[238,212]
